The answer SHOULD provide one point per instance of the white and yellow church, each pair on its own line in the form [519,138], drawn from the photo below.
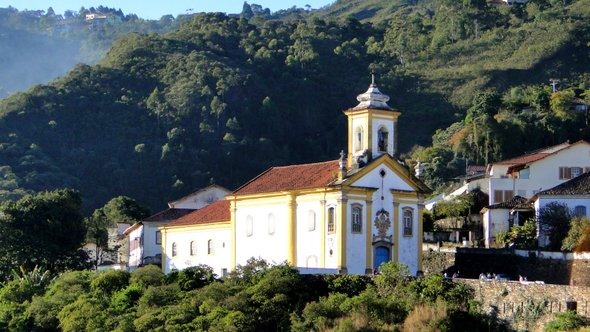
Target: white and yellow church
[341,216]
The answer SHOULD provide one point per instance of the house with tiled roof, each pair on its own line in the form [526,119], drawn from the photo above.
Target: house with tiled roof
[575,194]
[500,217]
[340,216]
[145,238]
[526,176]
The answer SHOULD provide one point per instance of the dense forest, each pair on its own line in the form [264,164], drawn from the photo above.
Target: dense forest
[222,98]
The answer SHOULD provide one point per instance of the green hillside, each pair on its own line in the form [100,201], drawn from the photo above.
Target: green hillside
[223,98]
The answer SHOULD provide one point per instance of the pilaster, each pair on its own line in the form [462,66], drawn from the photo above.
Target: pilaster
[292,231]
[396,239]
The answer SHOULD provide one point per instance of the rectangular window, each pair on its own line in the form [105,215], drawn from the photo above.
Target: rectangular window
[576,171]
[158,237]
[357,220]
[331,220]
[565,173]
[408,222]
[503,195]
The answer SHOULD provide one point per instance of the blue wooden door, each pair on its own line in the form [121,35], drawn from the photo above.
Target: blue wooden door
[381,256]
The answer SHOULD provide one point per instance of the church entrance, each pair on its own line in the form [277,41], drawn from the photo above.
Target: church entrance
[381,256]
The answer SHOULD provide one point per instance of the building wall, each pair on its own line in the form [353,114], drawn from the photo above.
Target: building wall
[494,221]
[201,198]
[544,173]
[135,247]
[219,260]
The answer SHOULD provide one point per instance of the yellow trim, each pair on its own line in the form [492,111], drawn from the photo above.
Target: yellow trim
[292,231]
[232,259]
[369,235]
[420,234]
[396,239]
[323,231]
[216,225]
[341,231]
[395,167]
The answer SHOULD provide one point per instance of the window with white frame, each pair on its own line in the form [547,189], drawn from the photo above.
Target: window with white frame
[249,226]
[311,221]
[566,173]
[382,137]
[408,221]
[193,249]
[210,247]
[331,220]
[357,218]
[358,134]
[174,250]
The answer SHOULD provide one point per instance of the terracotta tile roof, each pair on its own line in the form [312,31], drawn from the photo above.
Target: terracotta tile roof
[527,158]
[577,186]
[169,214]
[217,211]
[293,177]
[517,202]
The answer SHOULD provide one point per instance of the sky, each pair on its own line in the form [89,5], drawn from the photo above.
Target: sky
[154,9]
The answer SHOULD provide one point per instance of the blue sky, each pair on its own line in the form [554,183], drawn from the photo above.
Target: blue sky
[154,9]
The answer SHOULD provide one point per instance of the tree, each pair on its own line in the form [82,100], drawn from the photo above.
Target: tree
[576,234]
[554,223]
[521,237]
[45,230]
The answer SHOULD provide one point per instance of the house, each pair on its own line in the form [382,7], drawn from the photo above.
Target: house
[539,170]
[575,194]
[200,198]
[340,216]
[500,217]
[526,176]
[144,240]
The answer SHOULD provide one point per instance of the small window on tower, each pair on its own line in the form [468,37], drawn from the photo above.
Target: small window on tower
[382,137]
[358,134]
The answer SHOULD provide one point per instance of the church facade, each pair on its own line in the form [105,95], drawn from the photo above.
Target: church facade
[342,216]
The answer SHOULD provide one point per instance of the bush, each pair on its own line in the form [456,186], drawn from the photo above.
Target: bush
[110,281]
[146,276]
[567,321]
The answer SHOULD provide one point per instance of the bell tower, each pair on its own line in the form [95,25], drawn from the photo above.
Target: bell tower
[372,127]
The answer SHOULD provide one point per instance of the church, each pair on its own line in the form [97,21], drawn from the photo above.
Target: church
[340,216]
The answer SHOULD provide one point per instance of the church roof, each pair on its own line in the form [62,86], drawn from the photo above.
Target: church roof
[372,99]
[305,176]
[217,211]
[579,185]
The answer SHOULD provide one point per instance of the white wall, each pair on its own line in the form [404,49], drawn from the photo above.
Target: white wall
[219,260]
[544,173]
[200,198]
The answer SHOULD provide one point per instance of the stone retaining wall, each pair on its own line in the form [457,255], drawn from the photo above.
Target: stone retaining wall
[529,305]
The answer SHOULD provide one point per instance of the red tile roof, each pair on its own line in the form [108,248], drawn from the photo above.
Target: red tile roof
[217,211]
[305,176]
[527,158]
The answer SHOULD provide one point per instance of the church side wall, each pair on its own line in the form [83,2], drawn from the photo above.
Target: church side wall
[311,233]
[255,235]
[218,258]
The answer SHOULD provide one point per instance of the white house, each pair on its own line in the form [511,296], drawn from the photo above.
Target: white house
[341,216]
[144,237]
[575,194]
[501,216]
[200,198]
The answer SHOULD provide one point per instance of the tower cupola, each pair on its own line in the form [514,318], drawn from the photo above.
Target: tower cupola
[372,127]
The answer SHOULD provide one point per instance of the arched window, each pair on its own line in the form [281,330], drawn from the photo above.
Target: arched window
[331,220]
[249,226]
[357,219]
[174,249]
[358,139]
[580,211]
[271,223]
[193,248]
[408,220]
[382,138]
[311,221]
[210,247]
